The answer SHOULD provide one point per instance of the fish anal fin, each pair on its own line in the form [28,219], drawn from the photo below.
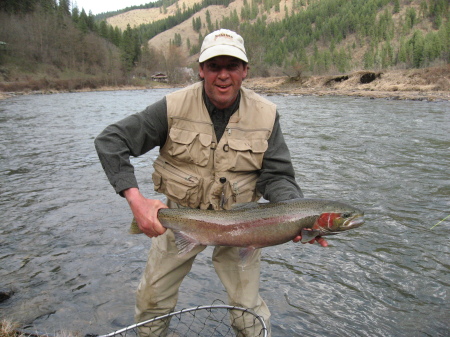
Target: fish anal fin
[246,254]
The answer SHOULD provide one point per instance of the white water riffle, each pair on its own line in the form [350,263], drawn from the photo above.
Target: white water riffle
[65,251]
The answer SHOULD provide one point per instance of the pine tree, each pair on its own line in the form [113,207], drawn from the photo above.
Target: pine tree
[387,55]
[64,7]
[103,29]
[208,21]
[130,48]
[18,6]
[369,58]
[83,22]
[177,41]
[417,42]
[396,6]
[411,17]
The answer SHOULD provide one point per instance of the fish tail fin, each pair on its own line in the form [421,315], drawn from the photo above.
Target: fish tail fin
[134,228]
[184,242]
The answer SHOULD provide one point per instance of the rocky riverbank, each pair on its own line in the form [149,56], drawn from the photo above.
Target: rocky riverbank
[428,84]
[431,84]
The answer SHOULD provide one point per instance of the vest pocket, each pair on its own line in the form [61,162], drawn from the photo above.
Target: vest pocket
[246,154]
[178,185]
[240,190]
[189,146]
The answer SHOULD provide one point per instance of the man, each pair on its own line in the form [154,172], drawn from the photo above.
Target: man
[220,144]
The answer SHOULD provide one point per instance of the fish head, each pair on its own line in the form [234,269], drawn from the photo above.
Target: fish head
[334,222]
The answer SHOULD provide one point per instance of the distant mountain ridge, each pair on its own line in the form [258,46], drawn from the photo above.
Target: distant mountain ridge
[315,35]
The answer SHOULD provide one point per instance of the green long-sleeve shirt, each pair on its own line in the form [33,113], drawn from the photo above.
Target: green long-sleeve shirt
[141,132]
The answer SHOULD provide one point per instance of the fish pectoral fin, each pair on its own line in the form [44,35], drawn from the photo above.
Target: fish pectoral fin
[245,254]
[309,234]
[184,242]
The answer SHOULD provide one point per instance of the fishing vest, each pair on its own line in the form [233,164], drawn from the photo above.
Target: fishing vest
[194,170]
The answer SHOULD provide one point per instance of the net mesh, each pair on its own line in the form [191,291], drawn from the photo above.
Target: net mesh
[211,320]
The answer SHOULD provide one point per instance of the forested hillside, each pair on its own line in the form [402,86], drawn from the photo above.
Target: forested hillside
[328,35]
[333,34]
[51,42]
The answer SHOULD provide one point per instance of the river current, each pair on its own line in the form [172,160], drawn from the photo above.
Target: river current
[66,254]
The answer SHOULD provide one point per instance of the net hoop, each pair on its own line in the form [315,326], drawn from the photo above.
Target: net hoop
[183,311]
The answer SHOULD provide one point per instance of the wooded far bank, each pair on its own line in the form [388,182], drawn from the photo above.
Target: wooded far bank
[52,45]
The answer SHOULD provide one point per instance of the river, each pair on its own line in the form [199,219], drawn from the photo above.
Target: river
[66,254]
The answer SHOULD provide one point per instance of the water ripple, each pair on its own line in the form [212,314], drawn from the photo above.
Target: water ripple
[65,252]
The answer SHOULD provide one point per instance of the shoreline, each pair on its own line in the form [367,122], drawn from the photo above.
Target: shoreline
[397,95]
[430,96]
[427,84]
[5,95]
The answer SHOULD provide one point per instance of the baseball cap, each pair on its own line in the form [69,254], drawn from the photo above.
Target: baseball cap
[222,42]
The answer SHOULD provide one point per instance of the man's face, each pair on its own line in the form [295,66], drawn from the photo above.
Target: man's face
[223,76]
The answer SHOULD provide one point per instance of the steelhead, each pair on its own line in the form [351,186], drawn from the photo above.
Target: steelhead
[257,225]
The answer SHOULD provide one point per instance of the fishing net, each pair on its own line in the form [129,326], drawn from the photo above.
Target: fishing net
[205,321]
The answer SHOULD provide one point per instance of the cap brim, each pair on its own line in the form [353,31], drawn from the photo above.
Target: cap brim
[223,50]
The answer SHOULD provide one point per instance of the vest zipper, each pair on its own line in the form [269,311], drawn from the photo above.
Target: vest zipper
[175,171]
[247,130]
[191,120]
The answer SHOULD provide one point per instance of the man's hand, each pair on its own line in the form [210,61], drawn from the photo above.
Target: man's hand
[320,240]
[145,212]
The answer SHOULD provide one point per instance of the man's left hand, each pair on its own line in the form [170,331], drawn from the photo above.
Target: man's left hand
[320,240]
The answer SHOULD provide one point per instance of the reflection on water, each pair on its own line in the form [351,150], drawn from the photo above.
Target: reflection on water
[65,252]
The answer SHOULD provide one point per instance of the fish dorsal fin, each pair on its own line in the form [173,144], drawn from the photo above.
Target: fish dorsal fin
[184,242]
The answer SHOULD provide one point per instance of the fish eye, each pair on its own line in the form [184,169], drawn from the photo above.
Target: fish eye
[346,215]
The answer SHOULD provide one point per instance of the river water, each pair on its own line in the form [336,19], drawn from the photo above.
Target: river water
[66,254]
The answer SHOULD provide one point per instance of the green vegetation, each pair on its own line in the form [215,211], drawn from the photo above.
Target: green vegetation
[148,31]
[324,36]
[49,41]
[317,33]
[46,44]
[156,4]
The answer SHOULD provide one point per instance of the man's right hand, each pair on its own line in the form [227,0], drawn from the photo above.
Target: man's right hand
[145,212]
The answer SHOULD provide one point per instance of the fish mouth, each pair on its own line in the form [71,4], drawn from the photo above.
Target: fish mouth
[354,222]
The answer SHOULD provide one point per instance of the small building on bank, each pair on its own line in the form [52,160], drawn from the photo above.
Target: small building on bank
[160,77]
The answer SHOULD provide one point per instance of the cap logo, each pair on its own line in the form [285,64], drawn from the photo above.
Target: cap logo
[227,36]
